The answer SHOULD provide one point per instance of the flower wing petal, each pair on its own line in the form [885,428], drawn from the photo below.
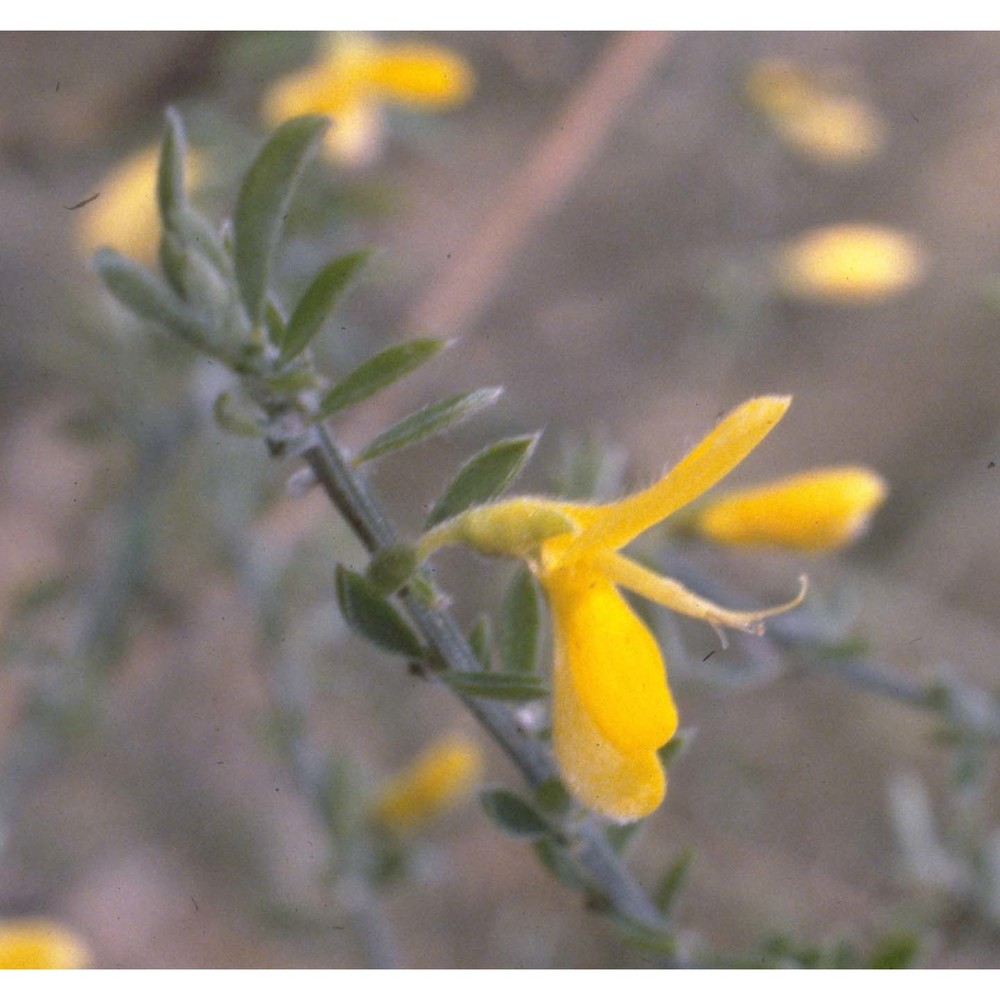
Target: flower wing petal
[623,786]
[671,594]
[615,664]
[718,453]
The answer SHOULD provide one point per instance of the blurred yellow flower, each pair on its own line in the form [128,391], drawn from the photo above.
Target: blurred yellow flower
[850,262]
[611,706]
[36,943]
[125,214]
[444,773]
[812,117]
[814,511]
[355,76]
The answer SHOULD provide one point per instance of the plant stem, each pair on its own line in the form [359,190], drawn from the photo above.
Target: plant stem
[351,497]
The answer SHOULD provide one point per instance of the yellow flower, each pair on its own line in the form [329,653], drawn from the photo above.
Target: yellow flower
[125,215]
[611,706]
[851,262]
[355,76]
[814,511]
[813,118]
[445,772]
[36,943]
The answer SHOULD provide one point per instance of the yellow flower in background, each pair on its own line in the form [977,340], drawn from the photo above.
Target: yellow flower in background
[850,263]
[814,511]
[811,116]
[355,76]
[443,774]
[125,214]
[611,705]
[36,943]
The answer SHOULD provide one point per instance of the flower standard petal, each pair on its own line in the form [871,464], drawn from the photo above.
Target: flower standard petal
[718,453]
[671,594]
[622,786]
[614,662]
[813,511]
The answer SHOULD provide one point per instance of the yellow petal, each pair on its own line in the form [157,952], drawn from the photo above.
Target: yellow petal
[332,85]
[816,510]
[851,262]
[420,75]
[671,594]
[719,452]
[812,117]
[615,664]
[37,943]
[622,786]
[441,775]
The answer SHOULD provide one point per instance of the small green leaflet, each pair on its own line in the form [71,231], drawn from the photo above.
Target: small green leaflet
[373,616]
[500,687]
[484,476]
[428,421]
[376,373]
[317,302]
[262,205]
[512,814]
[520,621]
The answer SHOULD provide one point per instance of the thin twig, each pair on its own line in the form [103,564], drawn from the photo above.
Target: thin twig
[351,497]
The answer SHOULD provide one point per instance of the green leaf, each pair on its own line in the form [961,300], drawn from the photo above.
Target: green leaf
[512,814]
[317,302]
[520,620]
[144,294]
[673,881]
[428,421]
[895,950]
[262,205]
[372,616]
[378,372]
[562,864]
[481,641]
[170,194]
[484,476]
[390,568]
[552,797]
[499,687]
[243,422]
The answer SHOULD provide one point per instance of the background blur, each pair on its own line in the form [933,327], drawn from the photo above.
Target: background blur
[634,302]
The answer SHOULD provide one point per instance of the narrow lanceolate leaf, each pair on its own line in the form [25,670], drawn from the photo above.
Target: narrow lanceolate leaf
[484,476]
[170,195]
[317,302]
[481,641]
[428,421]
[672,882]
[520,619]
[376,373]
[144,294]
[262,205]
[372,616]
[500,687]
[512,814]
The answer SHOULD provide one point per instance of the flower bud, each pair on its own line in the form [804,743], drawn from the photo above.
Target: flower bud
[444,773]
[37,943]
[851,262]
[813,511]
